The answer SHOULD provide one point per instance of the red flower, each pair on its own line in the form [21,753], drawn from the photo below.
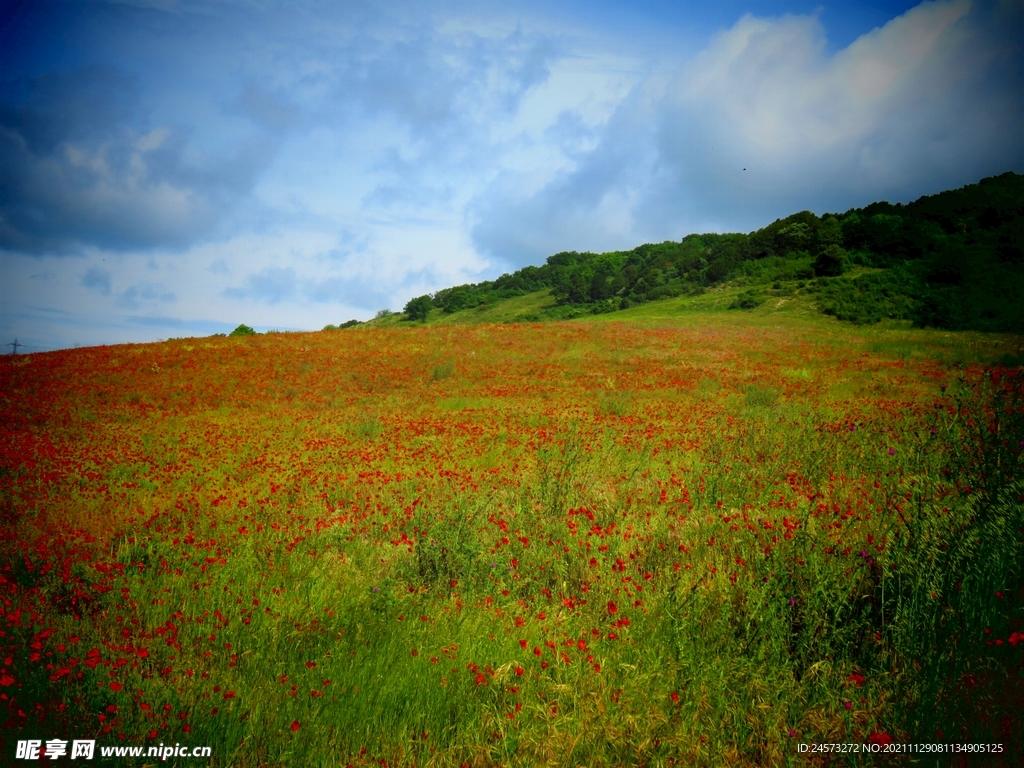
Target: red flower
[675,697]
[481,679]
[879,738]
[612,607]
[857,680]
[115,687]
[295,726]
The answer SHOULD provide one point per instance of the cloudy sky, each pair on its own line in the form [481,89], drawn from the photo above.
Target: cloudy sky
[177,168]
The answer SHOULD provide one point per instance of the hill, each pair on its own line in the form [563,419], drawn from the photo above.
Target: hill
[953,260]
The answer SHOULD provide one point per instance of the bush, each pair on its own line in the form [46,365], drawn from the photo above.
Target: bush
[831,262]
[870,298]
[418,308]
[243,330]
[346,324]
[748,300]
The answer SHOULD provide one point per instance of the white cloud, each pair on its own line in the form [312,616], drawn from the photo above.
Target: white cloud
[296,165]
[765,122]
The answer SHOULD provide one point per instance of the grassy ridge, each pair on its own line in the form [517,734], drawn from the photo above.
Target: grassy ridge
[598,543]
[953,260]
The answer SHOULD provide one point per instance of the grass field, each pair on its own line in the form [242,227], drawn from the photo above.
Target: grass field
[663,537]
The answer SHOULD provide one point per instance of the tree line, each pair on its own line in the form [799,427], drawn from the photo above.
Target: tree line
[951,260]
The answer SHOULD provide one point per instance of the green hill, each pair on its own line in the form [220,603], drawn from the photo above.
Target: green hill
[954,260]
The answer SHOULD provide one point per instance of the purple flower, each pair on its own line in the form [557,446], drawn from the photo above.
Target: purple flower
[892,451]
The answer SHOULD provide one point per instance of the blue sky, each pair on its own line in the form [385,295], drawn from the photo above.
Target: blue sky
[177,168]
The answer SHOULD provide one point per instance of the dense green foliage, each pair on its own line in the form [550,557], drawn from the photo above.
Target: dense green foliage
[342,326]
[951,260]
[418,308]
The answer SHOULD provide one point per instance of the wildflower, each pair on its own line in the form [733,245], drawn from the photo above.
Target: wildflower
[295,726]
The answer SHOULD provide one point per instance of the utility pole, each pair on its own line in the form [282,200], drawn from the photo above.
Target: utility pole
[14,344]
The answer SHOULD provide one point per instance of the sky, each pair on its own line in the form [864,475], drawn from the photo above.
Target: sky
[175,168]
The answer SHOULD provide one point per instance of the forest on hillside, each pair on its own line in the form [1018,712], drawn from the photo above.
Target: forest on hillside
[952,260]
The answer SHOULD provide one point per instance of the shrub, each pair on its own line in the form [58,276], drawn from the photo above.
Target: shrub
[418,308]
[243,330]
[748,300]
[831,262]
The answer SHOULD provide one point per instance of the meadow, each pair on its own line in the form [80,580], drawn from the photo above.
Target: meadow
[698,541]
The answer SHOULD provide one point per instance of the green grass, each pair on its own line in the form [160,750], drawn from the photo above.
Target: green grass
[725,532]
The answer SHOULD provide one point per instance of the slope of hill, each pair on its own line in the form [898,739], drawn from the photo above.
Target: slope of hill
[953,260]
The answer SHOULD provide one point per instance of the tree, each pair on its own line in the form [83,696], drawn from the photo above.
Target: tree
[830,232]
[243,330]
[418,308]
[832,261]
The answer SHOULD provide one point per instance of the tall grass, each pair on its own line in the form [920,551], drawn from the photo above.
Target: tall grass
[777,576]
